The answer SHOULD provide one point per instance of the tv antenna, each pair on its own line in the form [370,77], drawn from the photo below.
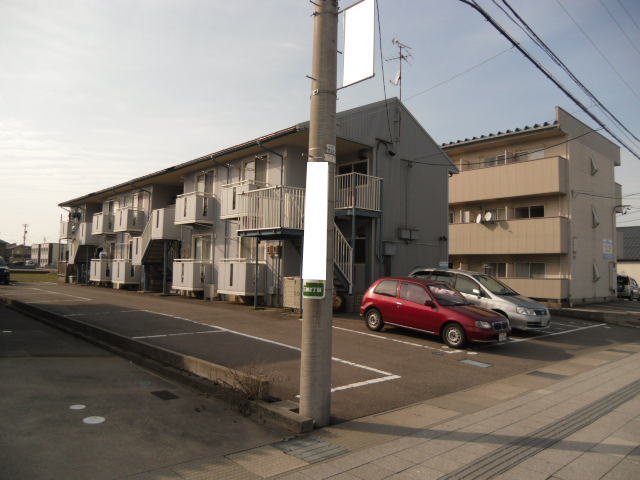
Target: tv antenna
[404,54]
[24,234]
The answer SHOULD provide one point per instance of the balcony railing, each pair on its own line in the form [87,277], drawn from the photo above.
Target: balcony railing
[534,177]
[128,219]
[102,223]
[356,190]
[194,207]
[65,229]
[191,275]
[100,270]
[272,208]
[124,272]
[163,225]
[237,276]
[230,202]
[530,236]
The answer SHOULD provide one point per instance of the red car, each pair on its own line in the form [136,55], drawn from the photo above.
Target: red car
[431,307]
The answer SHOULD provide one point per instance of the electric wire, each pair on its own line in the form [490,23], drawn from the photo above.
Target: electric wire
[620,27]
[629,16]
[486,60]
[384,82]
[545,48]
[597,49]
[473,4]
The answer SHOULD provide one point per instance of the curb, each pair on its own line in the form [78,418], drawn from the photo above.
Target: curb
[200,374]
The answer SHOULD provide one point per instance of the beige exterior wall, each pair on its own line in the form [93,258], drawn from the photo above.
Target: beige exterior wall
[631,269]
[572,179]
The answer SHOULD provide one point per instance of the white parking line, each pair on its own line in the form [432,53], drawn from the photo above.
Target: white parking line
[46,292]
[98,313]
[555,333]
[381,337]
[178,334]
[386,375]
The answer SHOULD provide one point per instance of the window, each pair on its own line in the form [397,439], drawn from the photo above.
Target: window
[445,277]
[387,287]
[466,285]
[534,154]
[536,211]
[495,269]
[497,213]
[530,270]
[413,293]
[450,217]
[358,167]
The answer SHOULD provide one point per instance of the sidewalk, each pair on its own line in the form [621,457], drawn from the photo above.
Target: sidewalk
[578,419]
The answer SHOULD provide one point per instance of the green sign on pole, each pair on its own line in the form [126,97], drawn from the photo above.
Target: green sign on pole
[313,289]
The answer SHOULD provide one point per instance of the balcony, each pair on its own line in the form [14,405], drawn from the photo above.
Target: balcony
[546,288]
[65,230]
[100,270]
[525,236]
[82,234]
[520,179]
[272,210]
[128,219]
[163,224]
[237,277]
[191,275]
[102,224]
[194,207]
[355,191]
[124,272]
[230,202]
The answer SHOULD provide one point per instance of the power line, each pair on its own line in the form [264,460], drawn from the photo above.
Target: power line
[620,27]
[486,60]
[629,15]
[503,32]
[384,82]
[593,44]
[545,48]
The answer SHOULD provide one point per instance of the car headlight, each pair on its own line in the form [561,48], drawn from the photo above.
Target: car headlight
[525,311]
[483,324]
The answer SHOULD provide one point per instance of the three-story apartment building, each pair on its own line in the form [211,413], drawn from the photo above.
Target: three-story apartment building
[536,208]
[231,222]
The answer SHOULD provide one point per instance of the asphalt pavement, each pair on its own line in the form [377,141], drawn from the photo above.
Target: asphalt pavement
[75,411]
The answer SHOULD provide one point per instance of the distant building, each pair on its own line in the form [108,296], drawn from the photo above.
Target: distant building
[3,250]
[45,254]
[629,251]
[536,207]
[18,254]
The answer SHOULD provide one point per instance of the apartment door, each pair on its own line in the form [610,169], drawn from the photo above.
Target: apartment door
[202,248]
[261,170]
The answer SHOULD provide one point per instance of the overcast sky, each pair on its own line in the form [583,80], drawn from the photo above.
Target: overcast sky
[93,93]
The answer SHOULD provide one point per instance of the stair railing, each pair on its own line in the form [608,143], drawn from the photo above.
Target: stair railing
[342,255]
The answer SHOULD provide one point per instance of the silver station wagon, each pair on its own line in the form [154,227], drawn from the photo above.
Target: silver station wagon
[490,293]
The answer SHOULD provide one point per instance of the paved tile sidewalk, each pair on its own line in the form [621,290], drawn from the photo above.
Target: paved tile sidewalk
[582,427]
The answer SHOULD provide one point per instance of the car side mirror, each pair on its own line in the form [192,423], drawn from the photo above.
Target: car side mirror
[477,292]
[430,303]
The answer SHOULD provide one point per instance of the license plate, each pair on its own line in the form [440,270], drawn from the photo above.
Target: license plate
[502,337]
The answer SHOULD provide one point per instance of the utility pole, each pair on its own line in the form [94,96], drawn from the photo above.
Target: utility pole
[315,366]
[24,234]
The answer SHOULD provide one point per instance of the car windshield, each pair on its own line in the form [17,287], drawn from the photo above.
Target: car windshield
[494,285]
[446,295]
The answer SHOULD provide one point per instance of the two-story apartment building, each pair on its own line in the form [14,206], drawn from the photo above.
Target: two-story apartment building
[45,254]
[232,221]
[536,208]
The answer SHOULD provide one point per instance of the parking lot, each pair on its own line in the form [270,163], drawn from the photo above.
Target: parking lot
[371,371]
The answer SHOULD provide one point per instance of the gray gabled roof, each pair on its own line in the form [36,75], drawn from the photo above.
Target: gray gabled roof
[630,243]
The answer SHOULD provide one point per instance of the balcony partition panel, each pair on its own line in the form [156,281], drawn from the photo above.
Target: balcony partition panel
[128,219]
[191,275]
[194,207]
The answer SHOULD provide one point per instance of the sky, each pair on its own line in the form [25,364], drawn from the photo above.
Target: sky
[94,93]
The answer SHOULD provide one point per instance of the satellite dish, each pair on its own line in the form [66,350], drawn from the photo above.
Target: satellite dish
[488,216]
[479,218]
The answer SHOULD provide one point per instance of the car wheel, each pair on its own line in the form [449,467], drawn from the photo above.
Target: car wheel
[338,302]
[454,336]
[374,320]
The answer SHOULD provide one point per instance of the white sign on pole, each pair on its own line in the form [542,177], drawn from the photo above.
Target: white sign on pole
[314,258]
[359,40]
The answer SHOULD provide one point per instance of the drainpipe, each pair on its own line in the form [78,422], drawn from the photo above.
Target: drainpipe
[255,279]
[164,268]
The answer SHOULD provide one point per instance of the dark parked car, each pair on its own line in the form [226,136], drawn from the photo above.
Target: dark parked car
[5,275]
[628,288]
[431,307]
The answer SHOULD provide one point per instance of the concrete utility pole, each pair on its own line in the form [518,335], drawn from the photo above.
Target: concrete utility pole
[315,367]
